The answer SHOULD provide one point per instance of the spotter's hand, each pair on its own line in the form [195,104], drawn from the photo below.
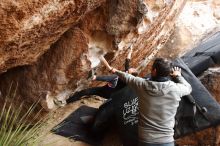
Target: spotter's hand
[176,71]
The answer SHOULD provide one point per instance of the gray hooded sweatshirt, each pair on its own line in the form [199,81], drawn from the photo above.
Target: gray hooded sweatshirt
[158,103]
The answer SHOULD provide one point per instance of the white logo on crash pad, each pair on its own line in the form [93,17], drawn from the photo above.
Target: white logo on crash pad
[130,112]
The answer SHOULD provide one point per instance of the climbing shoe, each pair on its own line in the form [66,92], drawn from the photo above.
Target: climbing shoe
[91,74]
[59,103]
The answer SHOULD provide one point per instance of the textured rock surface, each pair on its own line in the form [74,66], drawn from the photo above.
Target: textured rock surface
[190,27]
[122,16]
[57,68]
[63,67]
[28,28]
[149,37]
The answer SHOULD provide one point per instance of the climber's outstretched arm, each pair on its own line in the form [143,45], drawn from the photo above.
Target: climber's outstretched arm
[130,52]
[105,62]
[128,59]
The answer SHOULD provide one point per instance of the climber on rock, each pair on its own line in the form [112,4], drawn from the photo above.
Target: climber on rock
[158,101]
[113,83]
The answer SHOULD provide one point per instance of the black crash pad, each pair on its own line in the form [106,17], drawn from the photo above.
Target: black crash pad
[121,109]
[204,55]
[75,128]
[125,104]
[208,109]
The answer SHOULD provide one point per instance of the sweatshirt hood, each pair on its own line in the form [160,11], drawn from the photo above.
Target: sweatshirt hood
[158,88]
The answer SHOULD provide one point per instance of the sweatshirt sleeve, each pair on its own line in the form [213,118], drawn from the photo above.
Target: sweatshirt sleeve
[131,80]
[109,79]
[184,88]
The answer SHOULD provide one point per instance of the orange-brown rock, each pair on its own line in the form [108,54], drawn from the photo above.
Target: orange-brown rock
[122,16]
[150,36]
[29,28]
[58,64]
[59,67]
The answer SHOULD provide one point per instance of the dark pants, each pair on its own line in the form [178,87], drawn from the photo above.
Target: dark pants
[103,118]
[153,144]
[103,91]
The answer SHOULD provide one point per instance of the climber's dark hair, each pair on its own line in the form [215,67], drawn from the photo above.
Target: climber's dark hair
[162,66]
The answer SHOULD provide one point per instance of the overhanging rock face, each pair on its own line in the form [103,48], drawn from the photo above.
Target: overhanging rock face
[58,62]
[28,28]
